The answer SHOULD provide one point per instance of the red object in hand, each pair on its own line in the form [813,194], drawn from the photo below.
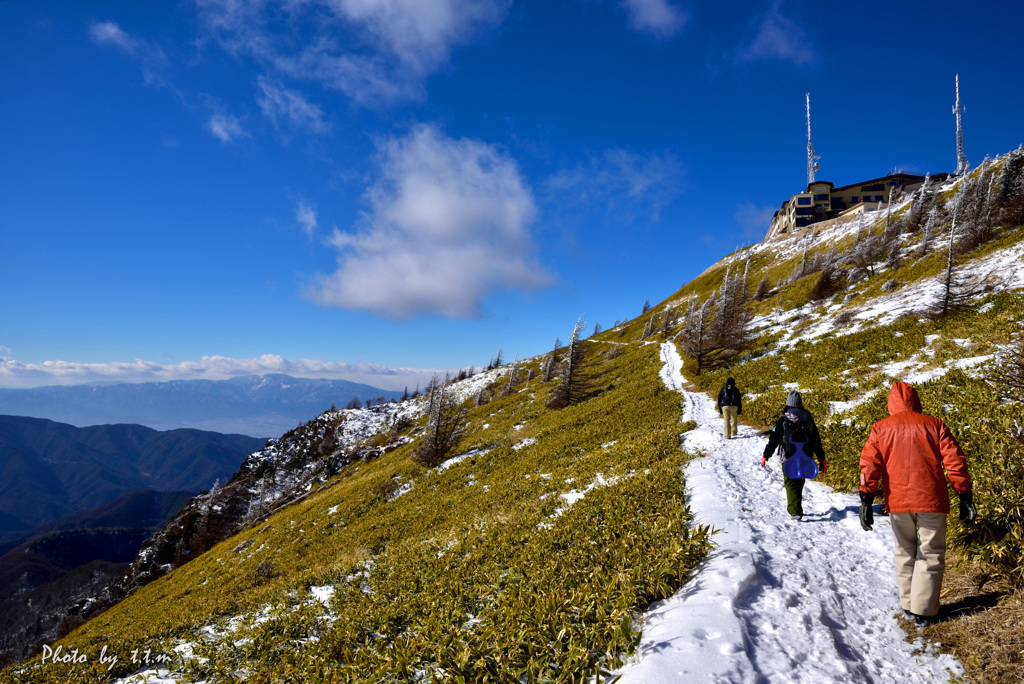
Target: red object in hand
[824,466]
[763,461]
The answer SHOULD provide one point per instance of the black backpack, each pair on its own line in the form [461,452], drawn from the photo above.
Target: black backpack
[794,430]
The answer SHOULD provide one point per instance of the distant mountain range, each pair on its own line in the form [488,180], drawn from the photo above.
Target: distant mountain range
[256,405]
[43,575]
[49,470]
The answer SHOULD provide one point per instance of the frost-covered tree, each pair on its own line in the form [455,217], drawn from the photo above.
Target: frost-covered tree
[716,330]
[1010,197]
[972,203]
[552,363]
[763,288]
[696,338]
[446,424]
[576,378]
[1007,373]
[513,378]
[927,235]
[957,289]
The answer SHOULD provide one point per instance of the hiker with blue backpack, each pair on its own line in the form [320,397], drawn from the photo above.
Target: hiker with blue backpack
[796,435]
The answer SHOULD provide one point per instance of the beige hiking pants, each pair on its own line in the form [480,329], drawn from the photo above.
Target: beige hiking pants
[920,552]
[730,413]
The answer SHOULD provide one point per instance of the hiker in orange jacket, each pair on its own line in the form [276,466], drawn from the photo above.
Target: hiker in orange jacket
[908,452]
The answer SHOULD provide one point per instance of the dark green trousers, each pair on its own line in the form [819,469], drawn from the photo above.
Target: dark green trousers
[794,495]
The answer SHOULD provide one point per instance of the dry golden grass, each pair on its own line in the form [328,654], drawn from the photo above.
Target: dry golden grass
[981,623]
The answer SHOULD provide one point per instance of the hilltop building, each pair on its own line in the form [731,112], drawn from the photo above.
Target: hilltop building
[822,200]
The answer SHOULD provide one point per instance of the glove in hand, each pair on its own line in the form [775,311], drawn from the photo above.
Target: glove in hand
[764,460]
[867,516]
[968,513]
[824,466]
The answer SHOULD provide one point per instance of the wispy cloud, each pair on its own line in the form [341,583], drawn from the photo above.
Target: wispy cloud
[150,58]
[624,184]
[657,18]
[305,214]
[754,221]
[226,128]
[15,374]
[777,38]
[289,109]
[373,50]
[448,224]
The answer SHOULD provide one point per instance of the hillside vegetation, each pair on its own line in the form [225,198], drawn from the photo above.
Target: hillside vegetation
[528,554]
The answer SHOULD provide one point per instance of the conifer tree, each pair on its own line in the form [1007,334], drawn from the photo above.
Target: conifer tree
[1007,373]
[513,378]
[576,379]
[552,362]
[763,288]
[957,290]
[446,424]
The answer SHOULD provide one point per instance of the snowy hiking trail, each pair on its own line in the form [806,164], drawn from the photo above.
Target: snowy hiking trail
[777,600]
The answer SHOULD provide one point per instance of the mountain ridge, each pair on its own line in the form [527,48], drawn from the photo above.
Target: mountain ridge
[257,405]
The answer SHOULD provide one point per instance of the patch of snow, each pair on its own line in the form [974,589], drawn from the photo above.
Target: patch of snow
[525,443]
[323,594]
[459,459]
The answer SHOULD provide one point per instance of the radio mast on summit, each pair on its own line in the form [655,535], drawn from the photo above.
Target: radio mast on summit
[962,166]
[812,159]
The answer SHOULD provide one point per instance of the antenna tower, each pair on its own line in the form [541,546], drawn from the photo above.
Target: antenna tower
[812,159]
[962,166]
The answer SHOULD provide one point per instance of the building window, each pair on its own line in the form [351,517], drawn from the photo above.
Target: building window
[823,197]
[854,199]
[879,198]
[803,200]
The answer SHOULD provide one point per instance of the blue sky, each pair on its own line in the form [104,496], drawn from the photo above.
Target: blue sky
[371,189]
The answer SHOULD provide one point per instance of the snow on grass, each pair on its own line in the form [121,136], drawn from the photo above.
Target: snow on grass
[459,459]
[778,600]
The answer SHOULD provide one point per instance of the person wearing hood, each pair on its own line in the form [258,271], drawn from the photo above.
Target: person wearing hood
[730,405]
[794,417]
[912,454]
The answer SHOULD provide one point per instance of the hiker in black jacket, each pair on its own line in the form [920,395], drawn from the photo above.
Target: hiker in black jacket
[730,405]
[795,419]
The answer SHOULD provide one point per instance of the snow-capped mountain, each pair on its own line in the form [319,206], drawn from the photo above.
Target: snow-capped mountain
[258,405]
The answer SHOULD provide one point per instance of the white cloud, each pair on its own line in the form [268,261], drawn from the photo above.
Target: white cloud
[624,184]
[150,57]
[777,38]
[17,374]
[372,50]
[754,220]
[448,224]
[289,108]
[659,18]
[225,128]
[305,214]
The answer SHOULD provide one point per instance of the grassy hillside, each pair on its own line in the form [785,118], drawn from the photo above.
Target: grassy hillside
[531,553]
[530,556]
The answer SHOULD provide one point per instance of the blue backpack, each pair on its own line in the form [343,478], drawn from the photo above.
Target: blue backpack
[798,465]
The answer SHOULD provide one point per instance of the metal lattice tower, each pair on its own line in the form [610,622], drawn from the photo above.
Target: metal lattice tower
[812,159]
[962,166]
